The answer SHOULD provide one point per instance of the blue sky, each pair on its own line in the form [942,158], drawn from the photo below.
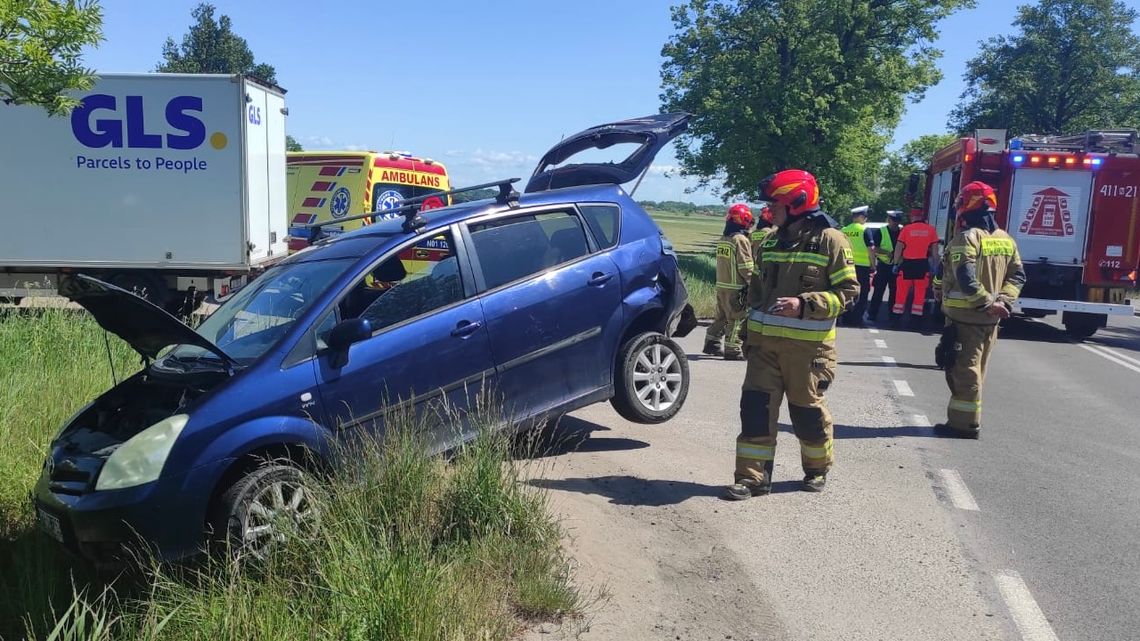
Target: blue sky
[485,87]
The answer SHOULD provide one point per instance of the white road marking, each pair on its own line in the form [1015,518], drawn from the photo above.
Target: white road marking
[873,331]
[1108,355]
[956,488]
[920,420]
[903,388]
[880,343]
[1030,620]
[889,361]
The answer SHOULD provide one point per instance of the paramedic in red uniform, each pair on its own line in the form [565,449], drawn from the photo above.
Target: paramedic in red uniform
[916,244]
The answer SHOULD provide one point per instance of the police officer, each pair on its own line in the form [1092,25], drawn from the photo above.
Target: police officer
[733,270]
[857,237]
[805,279]
[981,277]
[764,227]
[883,243]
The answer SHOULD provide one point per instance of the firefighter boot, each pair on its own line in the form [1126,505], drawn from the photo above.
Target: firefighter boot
[712,348]
[733,353]
[972,432]
[814,481]
[746,489]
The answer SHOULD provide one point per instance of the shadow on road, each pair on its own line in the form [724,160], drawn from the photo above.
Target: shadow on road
[630,490]
[573,434]
[881,364]
[854,431]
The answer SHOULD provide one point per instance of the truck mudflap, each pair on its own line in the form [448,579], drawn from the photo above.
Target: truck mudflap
[1071,306]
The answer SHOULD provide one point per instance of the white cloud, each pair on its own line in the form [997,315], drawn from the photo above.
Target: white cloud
[317,141]
[663,170]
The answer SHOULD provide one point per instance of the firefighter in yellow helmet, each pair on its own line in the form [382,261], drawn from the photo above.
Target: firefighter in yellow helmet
[733,270]
[805,278]
[764,227]
[981,276]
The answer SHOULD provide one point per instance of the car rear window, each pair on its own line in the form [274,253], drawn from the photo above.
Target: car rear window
[603,221]
[517,247]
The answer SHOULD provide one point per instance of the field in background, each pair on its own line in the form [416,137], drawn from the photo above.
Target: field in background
[410,547]
[694,237]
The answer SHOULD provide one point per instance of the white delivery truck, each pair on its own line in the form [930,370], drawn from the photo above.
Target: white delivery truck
[171,185]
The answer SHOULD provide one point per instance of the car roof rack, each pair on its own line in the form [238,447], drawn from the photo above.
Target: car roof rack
[1094,140]
[410,207]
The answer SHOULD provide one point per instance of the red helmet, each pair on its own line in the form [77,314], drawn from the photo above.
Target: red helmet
[976,195]
[766,213]
[740,214]
[796,189]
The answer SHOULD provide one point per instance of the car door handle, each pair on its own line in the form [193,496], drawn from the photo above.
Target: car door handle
[599,278]
[466,328]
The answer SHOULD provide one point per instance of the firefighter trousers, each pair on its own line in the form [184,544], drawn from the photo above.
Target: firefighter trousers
[802,371]
[729,313]
[965,377]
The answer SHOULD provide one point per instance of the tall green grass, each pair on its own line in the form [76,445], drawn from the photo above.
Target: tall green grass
[699,272]
[409,546]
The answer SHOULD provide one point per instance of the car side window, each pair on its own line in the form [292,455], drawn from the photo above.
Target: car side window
[517,247]
[417,279]
[603,221]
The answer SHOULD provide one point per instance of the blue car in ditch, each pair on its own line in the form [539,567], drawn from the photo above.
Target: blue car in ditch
[565,295]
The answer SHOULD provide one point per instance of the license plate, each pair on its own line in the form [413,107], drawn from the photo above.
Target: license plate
[50,523]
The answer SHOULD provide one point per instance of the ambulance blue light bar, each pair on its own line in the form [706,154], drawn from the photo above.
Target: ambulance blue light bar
[1018,158]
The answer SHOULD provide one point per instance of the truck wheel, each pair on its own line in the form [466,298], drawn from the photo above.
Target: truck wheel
[263,508]
[10,300]
[142,284]
[1081,330]
[652,380]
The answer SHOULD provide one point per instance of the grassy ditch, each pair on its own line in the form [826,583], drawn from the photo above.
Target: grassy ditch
[694,238]
[409,546]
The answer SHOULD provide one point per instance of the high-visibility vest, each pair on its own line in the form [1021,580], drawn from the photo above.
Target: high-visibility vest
[854,233]
[886,249]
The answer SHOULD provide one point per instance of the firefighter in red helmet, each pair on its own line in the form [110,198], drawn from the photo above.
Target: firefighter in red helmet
[733,270]
[805,278]
[980,277]
[764,227]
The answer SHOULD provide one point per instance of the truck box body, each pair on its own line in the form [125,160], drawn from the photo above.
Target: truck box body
[1072,203]
[168,172]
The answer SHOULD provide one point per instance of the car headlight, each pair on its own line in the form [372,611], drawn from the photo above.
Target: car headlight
[141,458]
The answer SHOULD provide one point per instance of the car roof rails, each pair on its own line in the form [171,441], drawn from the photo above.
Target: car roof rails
[1093,140]
[410,207]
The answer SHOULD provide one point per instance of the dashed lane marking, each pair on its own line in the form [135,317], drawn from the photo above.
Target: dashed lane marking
[880,343]
[873,331]
[1027,615]
[903,388]
[1115,357]
[920,420]
[957,491]
[889,361]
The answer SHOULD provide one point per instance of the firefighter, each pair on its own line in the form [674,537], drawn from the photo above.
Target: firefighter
[981,277]
[857,237]
[916,245]
[883,242]
[805,279]
[761,232]
[733,270]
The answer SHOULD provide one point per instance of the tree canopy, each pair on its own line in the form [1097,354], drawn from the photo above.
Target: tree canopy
[1073,65]
[812,84]
[211,46]
[912,157]
[41,47]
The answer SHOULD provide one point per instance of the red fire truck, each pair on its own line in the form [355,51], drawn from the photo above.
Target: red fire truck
[1073,205]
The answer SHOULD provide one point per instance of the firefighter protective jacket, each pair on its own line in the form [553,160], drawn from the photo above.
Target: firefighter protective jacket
[979,268]
[809,259]
[733,261]
[758,236]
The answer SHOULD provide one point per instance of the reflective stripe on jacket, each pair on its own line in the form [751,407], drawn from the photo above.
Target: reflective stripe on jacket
[733,261]
[854,234]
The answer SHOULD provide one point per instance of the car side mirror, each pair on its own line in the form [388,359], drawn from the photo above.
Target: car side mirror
[348,332]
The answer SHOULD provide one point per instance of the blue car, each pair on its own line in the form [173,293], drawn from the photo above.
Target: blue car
[555,299]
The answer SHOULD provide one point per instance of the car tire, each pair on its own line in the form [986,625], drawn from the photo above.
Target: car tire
[652,379]
[246,519]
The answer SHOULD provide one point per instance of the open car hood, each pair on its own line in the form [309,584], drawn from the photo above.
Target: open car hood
[650,132]
[140,323]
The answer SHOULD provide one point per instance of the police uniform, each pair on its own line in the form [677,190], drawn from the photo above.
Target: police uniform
[979,268]
[793,357]
[884,280]
[857,237]
[733,270]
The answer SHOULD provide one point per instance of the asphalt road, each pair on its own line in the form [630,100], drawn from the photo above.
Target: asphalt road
[1027,534]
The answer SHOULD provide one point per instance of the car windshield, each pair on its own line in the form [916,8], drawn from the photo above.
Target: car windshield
[252,322]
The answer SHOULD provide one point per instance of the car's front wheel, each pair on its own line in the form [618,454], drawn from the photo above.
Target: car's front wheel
[652,380]
[264,507]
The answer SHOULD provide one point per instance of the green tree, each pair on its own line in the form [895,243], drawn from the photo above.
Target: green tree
[912,157]
[1073,65]
[41,51]
[211,46]
[813,84]
[291,144]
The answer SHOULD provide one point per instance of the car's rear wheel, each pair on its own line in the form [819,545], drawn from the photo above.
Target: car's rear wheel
[264,507]
[652,380]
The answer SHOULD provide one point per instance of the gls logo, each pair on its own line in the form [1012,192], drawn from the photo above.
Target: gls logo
[109,132]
